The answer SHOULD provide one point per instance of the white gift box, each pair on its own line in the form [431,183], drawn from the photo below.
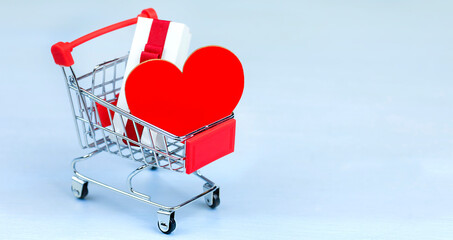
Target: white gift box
[175,50]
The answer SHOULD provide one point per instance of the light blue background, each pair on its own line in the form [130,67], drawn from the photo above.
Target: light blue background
[344,130]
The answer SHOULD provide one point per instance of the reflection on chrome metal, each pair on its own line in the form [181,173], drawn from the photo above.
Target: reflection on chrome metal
[129,180]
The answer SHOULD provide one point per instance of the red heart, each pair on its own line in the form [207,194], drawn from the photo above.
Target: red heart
[208,89]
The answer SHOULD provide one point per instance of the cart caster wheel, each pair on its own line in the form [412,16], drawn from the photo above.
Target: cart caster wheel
[79,188]
[167,229]
[212,199]
[153,168]
[215,201]
[166,222]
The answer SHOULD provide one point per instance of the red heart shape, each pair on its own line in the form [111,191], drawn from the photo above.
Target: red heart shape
[208,89]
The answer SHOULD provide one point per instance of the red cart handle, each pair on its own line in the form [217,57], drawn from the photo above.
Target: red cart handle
[61,51]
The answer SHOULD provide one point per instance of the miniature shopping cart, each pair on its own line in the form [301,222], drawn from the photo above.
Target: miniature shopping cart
[93,97]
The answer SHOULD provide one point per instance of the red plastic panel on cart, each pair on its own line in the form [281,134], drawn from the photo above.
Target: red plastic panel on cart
[210,145]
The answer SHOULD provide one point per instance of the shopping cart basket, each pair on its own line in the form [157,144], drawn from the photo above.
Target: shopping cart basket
[93,96]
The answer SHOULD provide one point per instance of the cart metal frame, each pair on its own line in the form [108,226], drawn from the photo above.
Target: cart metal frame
[85,103]
[93,92]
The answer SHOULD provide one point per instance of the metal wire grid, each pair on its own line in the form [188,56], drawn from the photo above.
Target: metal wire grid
[106,81]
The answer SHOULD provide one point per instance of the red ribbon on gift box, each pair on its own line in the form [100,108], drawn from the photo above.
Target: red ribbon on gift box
[153,50]
[156,40]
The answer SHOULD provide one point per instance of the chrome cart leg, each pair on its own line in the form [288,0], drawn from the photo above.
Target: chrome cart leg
[166,221]
[76,160]
[212,192]
[79,188]
[212,199]
[129,180]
